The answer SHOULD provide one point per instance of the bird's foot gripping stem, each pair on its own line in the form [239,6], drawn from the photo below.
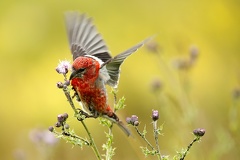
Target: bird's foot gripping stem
[83,115]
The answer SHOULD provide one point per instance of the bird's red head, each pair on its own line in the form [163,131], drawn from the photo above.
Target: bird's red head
[85,68]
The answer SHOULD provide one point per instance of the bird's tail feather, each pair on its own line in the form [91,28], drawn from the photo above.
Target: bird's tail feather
[123,128]
[114,118]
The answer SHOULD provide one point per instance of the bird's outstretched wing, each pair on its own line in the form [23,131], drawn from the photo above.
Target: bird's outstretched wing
[113,65]
[84,38]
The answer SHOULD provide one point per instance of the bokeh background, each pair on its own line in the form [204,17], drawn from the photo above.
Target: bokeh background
[203,94]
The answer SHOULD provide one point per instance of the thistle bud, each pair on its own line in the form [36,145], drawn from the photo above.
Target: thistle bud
[155,115]
[136,123]
[59,84]
[199,132]
[133,119]
[65,115]
[60,118]
[58,124]
[66,126]
[51,129]
[128,120]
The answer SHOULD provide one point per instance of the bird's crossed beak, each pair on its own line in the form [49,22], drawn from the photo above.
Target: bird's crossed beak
[73,75]
[77,73]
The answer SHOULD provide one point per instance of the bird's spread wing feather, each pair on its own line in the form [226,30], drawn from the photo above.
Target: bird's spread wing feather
[113,65]
[84,38]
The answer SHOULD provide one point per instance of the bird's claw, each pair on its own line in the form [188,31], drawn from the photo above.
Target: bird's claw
[83,115]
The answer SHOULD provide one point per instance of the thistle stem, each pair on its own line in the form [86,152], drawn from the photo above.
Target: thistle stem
[94,147]
[188,148]
[75,136]
[67,94]
[109,148]
[143,136]
[156,139]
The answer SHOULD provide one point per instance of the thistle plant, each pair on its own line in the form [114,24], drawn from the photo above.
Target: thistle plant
[68,134]
[150,149]
[62,129]
[198,133]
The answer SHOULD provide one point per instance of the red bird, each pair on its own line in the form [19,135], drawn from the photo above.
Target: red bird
[93,67]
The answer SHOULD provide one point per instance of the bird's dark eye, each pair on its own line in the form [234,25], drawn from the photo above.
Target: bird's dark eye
[81,70]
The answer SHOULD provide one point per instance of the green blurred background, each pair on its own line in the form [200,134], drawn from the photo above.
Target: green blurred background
[33,40]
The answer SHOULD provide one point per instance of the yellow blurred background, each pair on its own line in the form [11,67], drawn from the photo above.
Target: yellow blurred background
[205,95]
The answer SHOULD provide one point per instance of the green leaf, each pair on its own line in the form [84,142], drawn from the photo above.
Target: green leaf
[144,131]
[147,152]
[105,122]
[110,150]
[120,104]
[72,138]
